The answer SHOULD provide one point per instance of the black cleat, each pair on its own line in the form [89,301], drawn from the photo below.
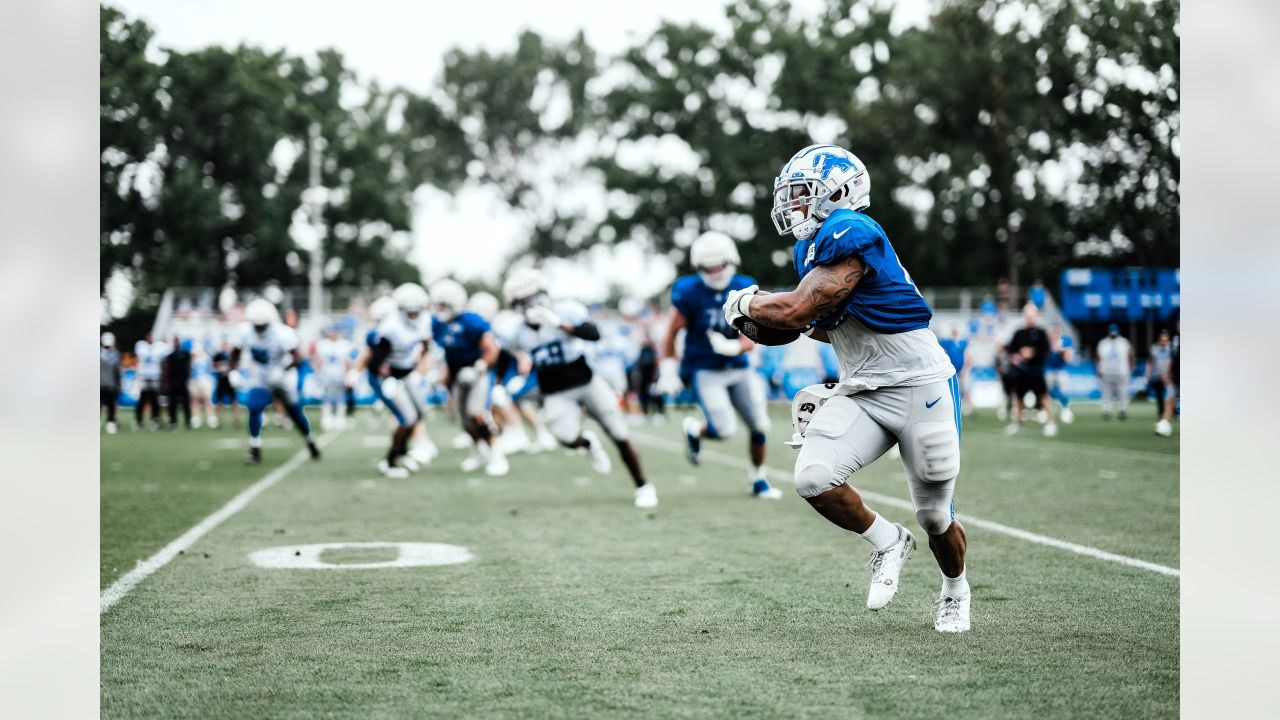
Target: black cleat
[313,449]
[254,457]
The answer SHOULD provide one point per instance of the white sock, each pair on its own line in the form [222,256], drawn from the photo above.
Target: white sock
[956,586]
[757,473]
[255,441]
[882,534]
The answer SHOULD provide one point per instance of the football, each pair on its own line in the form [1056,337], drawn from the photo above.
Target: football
[763,334]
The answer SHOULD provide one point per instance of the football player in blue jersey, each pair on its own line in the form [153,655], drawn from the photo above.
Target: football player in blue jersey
[715,363]
[265,360]
[898,385]
[470,349]
[1061,354]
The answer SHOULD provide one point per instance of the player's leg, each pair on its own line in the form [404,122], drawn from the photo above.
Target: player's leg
[711,394]
[287,396]
[256,401]
[746,394]
[394,396]
[841,439]
[601,403]
[930,442]
[1043,401]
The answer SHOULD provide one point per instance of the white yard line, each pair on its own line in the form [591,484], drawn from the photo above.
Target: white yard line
[145,568]
[995,527]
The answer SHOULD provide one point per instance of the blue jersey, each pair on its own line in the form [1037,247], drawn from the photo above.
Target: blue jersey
[1057,359]
[460,338]
[955,351]
[703,310]
[885,300]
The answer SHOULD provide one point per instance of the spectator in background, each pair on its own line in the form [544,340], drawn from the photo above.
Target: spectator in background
[223,393]
[1158,369]
[109,379]
[201,386]
[150,355]
[1004,297]
[1036,294]
[1028,351]
[1062,352]
[957,350]
[1164,428]
[1115,365]
[178,380]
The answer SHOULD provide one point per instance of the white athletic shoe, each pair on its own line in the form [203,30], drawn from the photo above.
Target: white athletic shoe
[646,496]
[546,441]
[497,465]
[409,464]
[1012,428]
[196,422]
[386,470]
[424,452]
[512,441]
[763,490]
[213,422]
[111,428]
[1042,417]
[600,461]
[885,567]
[1051,429]
[1164,428]
[461,441]
[1067,416]
[473,462]
[953,614]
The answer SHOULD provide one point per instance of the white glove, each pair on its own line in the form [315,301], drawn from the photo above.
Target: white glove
[738,302]
[516,384]
[543,316]
[352,379]
[236,378]
[727,346]
[669,382]
[467,375]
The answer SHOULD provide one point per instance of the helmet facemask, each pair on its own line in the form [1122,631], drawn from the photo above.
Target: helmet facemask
[795,207]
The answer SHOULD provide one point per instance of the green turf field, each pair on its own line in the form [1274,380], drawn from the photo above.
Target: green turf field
[577,604]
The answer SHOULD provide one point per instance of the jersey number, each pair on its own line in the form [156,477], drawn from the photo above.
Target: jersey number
[260,355]
[715,321]
[551,353]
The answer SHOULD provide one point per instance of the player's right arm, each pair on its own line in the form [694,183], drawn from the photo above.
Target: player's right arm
[823,290]
[674,326]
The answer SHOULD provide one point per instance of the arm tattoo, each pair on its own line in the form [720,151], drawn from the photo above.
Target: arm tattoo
[824,289]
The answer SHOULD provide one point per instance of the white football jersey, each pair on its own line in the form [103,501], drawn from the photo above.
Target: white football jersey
[333,355]
[551,345]
[150,355]
[265,356]
[406,337]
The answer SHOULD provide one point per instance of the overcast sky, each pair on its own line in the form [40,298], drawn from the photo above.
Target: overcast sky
[403,43]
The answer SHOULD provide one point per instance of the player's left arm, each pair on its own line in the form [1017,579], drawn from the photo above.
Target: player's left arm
[489,349]
[824,289]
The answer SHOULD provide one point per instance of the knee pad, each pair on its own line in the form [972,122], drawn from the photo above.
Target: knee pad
[935,450]
[935,521]
[815,478]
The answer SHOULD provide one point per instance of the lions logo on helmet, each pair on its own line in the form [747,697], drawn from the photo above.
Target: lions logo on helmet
[814,183]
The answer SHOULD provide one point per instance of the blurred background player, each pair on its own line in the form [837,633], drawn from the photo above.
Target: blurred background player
[1158,370]
[519,387]
[332,362]
[470,349]
[644,374]
[224,395]
[109,379]
[554,338]
[177,372]
[715,363]
[200,387]
[1164,427]
[265,359]
[1028,350]
[150,355]
[399,349]
[1115,365]
[1062,353]
[957,350]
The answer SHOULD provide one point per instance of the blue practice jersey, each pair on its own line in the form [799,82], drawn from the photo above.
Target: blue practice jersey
[703,310]
[1057,358]
[885,300]
[460,338]
[955,351]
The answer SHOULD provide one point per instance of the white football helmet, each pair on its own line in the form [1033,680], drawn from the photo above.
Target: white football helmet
[484,304]
[108,339]
[450,298]
[411,298]
[522,285]
[814,183]
[261,313]
[382,307]
[715,256]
